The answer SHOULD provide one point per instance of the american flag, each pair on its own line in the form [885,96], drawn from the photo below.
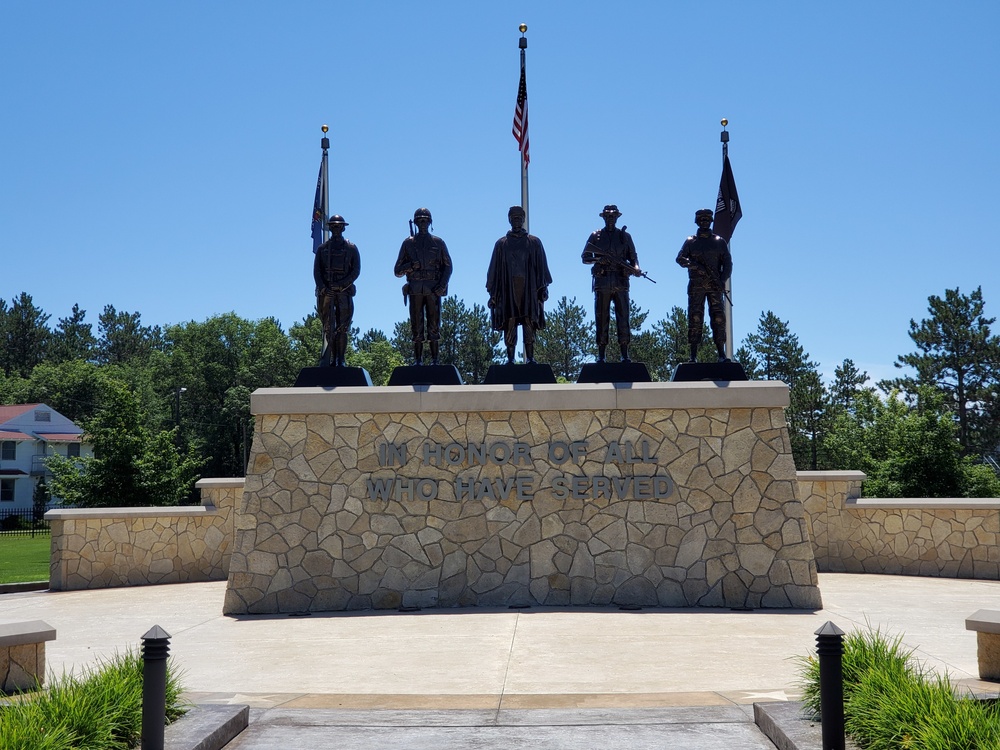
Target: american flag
[521,117]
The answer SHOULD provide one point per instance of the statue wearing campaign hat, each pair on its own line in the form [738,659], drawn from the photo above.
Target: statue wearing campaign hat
[336,267]
[611,254]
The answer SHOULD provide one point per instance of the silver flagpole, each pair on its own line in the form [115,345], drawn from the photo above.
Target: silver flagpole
[523,45]
[724,137]
[325,168]
[325,145]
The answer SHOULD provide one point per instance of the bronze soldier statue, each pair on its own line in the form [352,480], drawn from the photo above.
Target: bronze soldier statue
[518,283]
[709,264]
[336,268]
[425,261]
[611,252]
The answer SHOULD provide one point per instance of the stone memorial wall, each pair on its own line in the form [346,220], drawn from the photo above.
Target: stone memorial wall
[651,494]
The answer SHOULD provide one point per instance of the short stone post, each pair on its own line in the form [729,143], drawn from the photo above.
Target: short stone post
[830,649]
[155,649]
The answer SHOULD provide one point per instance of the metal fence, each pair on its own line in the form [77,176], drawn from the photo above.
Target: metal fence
[23,523]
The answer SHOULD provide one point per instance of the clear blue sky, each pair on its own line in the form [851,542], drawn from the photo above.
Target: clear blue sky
[163,157]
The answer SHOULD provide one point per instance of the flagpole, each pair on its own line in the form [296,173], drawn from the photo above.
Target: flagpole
[724,137]
[522,44]
[324,169]
[325,145]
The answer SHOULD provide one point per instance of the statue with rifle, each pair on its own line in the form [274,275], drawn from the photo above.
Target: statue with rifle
[611,253]
[706,257]
[424,260]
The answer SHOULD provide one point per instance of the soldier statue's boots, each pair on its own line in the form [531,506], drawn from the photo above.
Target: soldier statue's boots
[625,358]
[510,355]
[600,353]
[339,358]
[435,349]
[529,353]
[721,349]
[418,352]
[694,351]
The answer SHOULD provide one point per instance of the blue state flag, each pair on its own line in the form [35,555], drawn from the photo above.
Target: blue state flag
[318,218]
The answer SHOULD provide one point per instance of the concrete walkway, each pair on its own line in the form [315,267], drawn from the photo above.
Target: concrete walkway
[503,662]
[703,728]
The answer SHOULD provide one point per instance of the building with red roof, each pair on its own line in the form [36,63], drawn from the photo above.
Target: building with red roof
[30,433]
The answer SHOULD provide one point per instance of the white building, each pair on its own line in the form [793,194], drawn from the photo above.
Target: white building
[29,433]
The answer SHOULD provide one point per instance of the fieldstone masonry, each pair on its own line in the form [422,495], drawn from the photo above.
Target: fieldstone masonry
[949,537]
[104,547]
[658,494]
[22,654]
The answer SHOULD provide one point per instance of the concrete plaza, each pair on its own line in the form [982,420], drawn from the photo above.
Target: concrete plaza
[524,664]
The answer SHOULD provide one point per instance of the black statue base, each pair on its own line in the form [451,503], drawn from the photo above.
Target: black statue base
[614,372]
[332,377]
[527,374]
[688,372]
[426,375]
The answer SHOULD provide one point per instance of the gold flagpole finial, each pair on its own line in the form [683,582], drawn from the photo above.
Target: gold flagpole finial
[724,122]
[325,128]
[522,28]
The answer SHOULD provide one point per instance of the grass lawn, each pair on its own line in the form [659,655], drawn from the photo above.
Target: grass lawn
[24,558]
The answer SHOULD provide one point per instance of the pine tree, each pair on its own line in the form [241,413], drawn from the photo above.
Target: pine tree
[810,403]
[776,354]
[73,339]
[123,339]
[24,336]
[958,356]
[479,345]
[566,342]
[402,341]
[848,382]
[672,338]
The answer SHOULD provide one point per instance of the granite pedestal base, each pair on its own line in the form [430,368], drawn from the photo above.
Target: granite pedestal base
[614,372]
[332,377]
[689,372]
[525,374]
[426,375]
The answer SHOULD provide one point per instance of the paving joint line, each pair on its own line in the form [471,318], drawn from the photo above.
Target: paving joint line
[506,671]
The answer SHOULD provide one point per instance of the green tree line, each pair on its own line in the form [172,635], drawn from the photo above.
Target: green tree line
[164,404]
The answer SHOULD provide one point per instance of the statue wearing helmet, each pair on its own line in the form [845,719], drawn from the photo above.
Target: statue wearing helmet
[424,260]
[706,257]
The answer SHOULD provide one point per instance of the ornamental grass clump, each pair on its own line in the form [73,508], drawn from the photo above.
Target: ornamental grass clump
[891,702]
[100,710]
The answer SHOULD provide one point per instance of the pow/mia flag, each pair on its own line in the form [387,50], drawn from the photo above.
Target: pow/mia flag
[727,206]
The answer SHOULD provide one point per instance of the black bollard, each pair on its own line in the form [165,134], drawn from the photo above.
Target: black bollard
[155,649]
[830,649]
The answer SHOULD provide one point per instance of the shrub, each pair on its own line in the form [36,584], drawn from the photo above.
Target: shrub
[892,702]
[101,710]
